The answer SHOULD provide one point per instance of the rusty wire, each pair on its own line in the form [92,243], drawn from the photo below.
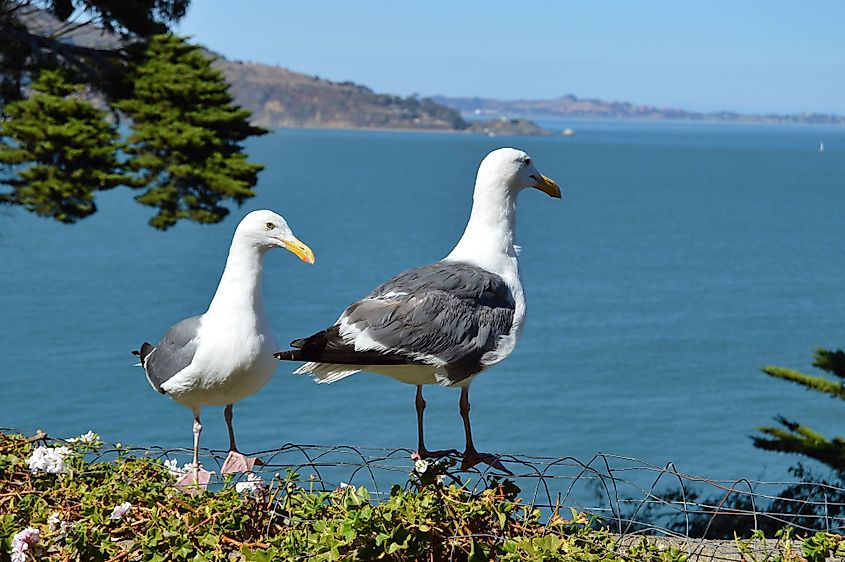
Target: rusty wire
[632,497]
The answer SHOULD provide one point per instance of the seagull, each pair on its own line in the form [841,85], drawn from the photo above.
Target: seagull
[446,322]
[225,354]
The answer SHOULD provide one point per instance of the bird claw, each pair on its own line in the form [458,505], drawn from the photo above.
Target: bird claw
[195,481]
[426,454]
[236,462]
[473,458]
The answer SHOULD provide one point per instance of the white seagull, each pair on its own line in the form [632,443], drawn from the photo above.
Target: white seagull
[445,322]
[226,354]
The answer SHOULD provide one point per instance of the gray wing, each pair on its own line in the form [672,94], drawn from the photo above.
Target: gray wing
[453,312]
[173,353]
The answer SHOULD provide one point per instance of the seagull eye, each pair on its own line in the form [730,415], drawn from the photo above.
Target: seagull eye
[270,226]
[528,161]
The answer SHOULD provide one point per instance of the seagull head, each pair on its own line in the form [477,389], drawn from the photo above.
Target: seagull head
[266,230]
[489,238]
[513,170]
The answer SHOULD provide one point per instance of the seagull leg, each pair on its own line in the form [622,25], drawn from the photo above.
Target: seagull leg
[422,452]
[471,456]
[196,479]
[235,462]
[227,415]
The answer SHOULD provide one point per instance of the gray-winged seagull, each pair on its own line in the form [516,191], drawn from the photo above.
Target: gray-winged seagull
[226,354]
[446,322]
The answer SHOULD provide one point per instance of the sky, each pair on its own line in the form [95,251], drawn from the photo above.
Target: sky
[751,56]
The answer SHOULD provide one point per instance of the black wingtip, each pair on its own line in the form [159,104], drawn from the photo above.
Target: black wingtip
[292,355]
[146,349]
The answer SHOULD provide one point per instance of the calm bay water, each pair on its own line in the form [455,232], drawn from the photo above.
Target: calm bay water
[681,259]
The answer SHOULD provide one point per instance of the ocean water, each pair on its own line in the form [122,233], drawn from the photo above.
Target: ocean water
[681,259]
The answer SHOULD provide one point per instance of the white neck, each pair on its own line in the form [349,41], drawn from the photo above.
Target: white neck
[488,242]
[489,238]
[240,285]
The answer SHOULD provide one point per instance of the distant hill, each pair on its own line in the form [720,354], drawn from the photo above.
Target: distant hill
[279,97]
[572,106]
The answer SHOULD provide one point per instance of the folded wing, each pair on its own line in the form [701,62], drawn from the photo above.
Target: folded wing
[173,353]
[446,314]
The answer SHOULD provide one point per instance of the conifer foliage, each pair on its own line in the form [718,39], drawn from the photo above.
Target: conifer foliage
[792,437]
[35,34]
[59,150]
[184,148]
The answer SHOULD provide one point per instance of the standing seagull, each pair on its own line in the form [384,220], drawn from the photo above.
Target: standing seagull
[446,322]
[226,354]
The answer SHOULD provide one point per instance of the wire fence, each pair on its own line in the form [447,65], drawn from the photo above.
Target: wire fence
[631,496]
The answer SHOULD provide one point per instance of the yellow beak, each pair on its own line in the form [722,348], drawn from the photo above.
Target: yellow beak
[301,250]
[547,186]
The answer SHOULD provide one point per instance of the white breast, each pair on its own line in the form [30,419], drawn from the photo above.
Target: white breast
[234,360]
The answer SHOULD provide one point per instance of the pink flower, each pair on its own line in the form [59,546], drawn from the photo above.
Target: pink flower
[119,511]
[23,542]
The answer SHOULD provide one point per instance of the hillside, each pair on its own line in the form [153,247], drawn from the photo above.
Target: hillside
[572,106]
[279,97]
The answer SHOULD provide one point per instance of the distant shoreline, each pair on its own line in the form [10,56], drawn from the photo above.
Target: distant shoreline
[400,130]
[680,122]
[570,106]
[565,123]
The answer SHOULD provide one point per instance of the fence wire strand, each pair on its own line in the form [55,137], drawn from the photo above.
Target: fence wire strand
[632,497]
[629,494]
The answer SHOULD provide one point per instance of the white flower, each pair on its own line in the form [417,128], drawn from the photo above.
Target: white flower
[253,485]
[119,511]
[85,438]
[23,542]
[55,523]
[343,487]
[48,459]
[173,466]
[420,466]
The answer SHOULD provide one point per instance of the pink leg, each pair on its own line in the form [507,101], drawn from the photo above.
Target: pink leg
[235,462]
[196,479]
[422,452]
[471,456]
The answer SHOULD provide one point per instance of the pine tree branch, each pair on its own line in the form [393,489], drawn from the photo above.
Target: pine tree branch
[831,361]
[801,440]
[819,384]
[795,438]
[62,48]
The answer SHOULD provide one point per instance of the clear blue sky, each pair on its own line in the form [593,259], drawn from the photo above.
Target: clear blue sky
[742,55]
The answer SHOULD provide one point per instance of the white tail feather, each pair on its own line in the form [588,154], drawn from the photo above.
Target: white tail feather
[325,373]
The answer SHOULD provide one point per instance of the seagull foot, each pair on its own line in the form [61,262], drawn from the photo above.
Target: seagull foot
[426,454]
[472,458]
[195,481]
[236,462]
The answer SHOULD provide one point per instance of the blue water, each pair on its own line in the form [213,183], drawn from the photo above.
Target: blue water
[682,258]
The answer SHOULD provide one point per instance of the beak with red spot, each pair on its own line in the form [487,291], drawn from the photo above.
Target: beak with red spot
[299,249]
